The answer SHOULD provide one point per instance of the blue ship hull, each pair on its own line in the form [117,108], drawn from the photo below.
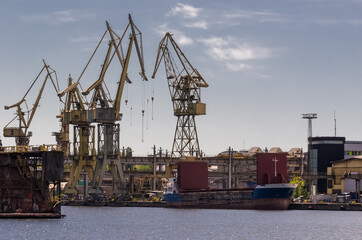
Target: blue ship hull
[274,191]
[268,197]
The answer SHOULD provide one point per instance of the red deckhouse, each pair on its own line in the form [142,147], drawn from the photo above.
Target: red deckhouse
[272,168]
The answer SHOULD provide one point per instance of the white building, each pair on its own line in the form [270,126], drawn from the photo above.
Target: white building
[352,149]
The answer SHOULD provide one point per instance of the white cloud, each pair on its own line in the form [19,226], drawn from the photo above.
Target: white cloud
[233,53]
[85,39]
[178,36]
[230,49]
[231,17]
[235,66]
[214,41]
[339,21]
[183,39]
[66,16]
[186,11]
[199,24]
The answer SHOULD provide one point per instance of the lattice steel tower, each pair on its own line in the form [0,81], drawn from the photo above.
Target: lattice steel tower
[185,90]
[309,116]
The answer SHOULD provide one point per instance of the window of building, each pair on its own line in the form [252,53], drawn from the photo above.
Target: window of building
[336,191]
[329,184]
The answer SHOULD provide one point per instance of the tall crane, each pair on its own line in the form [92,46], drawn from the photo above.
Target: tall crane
[21,133]
[185,90]
[76,113]
[84,155]
[105,110]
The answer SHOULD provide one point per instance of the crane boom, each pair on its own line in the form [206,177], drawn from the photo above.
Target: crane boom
[117,102]
[138,48]
[99,96]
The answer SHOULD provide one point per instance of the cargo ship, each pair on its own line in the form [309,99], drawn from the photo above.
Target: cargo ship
[271,193]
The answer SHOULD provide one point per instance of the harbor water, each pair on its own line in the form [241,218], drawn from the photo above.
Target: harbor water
[165,223]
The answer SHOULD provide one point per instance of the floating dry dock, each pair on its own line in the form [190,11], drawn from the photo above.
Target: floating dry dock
[30,215]
[30,182]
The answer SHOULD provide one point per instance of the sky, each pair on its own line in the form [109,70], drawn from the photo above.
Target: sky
[266,63]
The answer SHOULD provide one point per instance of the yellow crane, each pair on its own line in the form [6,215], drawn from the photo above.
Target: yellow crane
[76,112]
[84,155]
[21,133]
[106,111]
[185,84]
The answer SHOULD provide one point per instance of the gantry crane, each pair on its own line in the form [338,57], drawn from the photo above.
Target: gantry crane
[106,111]
[185,90]
[84,155]
[21,133]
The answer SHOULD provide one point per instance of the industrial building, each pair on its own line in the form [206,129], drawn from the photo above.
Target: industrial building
[323,151]
[344,176]
[352,149]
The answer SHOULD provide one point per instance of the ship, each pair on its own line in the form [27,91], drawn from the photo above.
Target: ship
[190,188]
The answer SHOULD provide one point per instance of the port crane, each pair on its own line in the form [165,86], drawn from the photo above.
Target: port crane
[84,155]
[105,111]
[185,90]
[21,132]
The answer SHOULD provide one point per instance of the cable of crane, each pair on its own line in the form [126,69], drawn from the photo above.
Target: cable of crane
[147,115]
[27,108]
[108,93]
[147,105]
[143,108]
[126,98]
[152,98]
[131,116]
[131,101]
[143,123]
[143,94]
[85,100]
[94,52]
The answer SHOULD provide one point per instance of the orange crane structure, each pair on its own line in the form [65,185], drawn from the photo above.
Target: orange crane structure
[185,85]
[21,132]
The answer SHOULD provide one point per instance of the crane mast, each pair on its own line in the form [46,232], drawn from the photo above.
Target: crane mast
[185,91]
[21,133]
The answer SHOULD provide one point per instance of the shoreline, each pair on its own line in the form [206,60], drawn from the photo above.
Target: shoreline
[292,206]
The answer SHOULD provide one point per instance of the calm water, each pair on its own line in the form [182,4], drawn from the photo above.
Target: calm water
[161,223]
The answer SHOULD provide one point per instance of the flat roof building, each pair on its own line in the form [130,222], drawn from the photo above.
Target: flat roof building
[323,151]
[352,149]
[344,176]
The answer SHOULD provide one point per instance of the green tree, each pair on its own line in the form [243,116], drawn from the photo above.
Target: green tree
[128,152]
[301,189]
[144,168]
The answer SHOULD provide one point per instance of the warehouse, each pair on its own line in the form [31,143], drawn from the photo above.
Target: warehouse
[345,176]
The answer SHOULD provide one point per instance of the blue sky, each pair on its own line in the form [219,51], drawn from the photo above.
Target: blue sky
[266,63]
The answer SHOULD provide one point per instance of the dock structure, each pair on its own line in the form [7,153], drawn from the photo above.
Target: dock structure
[30,180]
[241,170]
